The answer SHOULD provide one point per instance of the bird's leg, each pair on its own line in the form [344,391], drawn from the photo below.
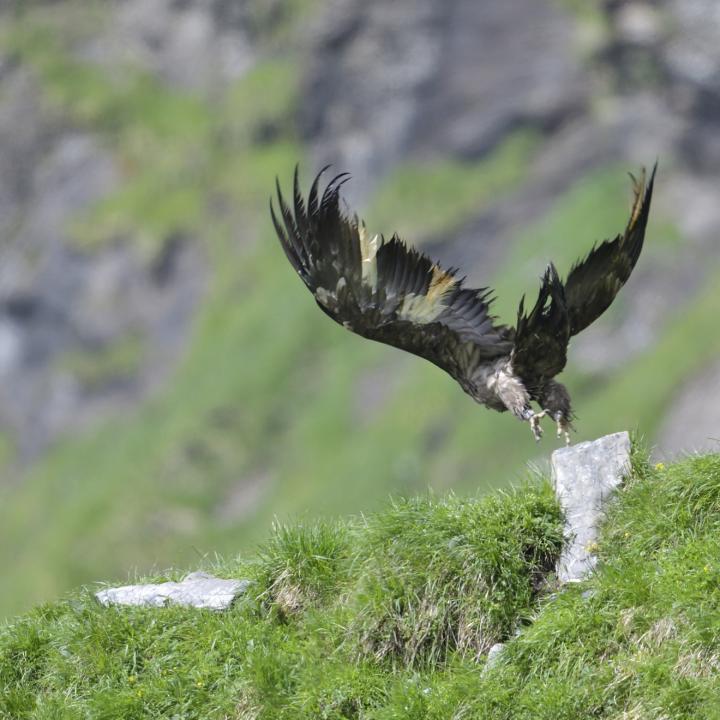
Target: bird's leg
[534,421]
[555,401]
[516,398]
[563,428]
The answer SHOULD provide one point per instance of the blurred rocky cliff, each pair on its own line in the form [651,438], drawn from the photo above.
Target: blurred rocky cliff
[383,83]
[120,122]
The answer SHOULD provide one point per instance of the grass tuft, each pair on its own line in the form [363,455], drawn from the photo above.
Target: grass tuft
[441,576]
[303,566]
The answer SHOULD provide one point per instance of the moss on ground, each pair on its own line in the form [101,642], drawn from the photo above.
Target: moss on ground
[391,617]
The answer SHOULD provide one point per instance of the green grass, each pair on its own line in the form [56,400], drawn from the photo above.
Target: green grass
[640,637]
[391,617]
[454,576]
[416,585]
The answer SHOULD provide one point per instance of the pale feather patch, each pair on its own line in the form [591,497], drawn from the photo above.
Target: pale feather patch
[368,250]
[324,296]
[426,308]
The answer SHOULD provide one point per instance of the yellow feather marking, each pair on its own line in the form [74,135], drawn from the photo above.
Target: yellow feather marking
[440,283]
[368,250]
[639,188]
[425,308]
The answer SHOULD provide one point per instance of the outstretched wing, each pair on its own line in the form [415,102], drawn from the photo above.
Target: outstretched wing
[594,282]
[563,310]
[384,290]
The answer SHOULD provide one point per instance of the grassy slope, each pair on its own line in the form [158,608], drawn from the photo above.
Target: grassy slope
[269,388]
[391,617]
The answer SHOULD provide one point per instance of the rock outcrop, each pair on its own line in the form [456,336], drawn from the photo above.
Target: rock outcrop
[585,477]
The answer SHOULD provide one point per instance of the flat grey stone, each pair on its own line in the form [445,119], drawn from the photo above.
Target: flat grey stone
[585,476]
[198,590]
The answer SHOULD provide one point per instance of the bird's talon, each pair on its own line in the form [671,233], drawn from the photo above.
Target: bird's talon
[537,431]
[563,430]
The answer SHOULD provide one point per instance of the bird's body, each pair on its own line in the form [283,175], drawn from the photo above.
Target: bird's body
[389,292]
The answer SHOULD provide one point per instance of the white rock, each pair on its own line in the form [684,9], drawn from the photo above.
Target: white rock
[585,477]
[198,590]
[493,656]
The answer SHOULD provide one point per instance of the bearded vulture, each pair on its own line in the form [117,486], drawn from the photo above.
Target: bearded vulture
[387,291]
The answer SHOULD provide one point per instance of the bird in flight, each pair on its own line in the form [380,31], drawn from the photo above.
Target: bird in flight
[388,291]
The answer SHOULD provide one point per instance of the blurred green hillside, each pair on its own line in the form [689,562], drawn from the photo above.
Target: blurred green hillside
[274,411]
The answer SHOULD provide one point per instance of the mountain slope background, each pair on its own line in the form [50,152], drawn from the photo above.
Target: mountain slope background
[168,386]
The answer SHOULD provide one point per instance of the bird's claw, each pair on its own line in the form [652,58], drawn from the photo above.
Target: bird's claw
[537,431]
[563,426]
[563,430]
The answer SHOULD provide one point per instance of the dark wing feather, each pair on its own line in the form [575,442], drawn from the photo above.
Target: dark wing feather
[541,337]
[385,290]
[594,282]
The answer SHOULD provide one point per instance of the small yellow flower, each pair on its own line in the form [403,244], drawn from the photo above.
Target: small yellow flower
[707,568]
[139,692]
[627,535]
[132,679]
[200,684]
[592,547]
[660,466]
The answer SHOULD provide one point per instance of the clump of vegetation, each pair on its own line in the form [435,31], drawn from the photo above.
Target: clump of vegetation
[392,616]
[303,566]
[452,575]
